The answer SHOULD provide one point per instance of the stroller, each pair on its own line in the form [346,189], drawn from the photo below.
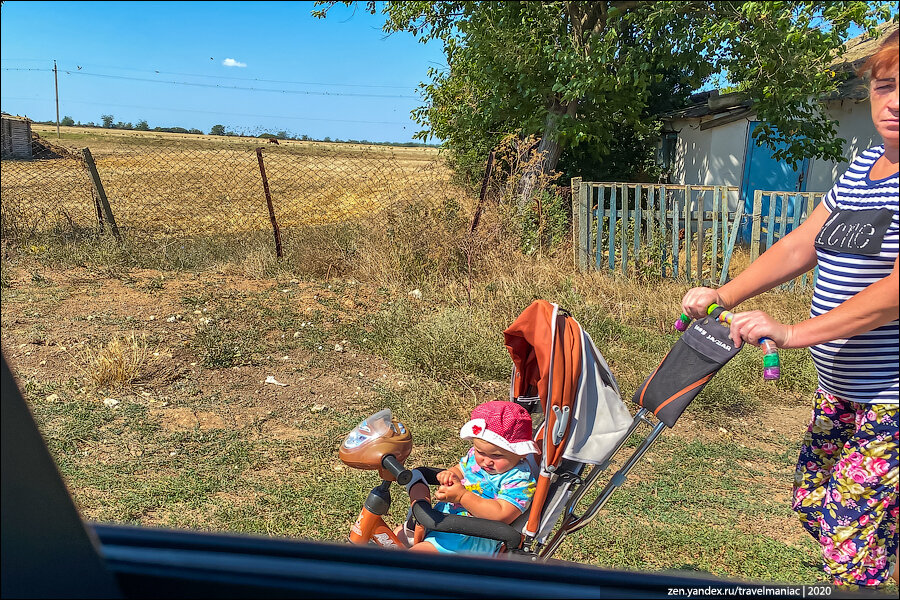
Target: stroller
[582,423]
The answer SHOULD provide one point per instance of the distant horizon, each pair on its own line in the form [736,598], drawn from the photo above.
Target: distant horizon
[262,136]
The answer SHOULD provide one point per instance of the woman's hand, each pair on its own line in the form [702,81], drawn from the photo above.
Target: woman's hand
[452,491]
[698,299]
[752,325]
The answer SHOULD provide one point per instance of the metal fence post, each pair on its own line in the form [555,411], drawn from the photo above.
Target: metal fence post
[275,229]
[485,181]
[100,192]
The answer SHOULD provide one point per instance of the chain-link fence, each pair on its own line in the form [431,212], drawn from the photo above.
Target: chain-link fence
[176,186]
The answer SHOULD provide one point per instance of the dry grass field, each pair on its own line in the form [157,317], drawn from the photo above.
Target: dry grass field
[180,184]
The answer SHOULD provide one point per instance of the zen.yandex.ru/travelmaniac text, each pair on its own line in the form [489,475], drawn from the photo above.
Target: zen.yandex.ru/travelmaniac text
[788,591]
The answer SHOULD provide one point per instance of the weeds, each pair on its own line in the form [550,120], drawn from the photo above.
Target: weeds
[445,344]
[219,346]
[5,279]
[547,225]
[118,364]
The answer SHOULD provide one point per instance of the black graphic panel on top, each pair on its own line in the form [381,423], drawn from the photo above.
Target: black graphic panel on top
[855,231]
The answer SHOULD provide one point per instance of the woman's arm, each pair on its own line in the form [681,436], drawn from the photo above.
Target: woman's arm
[792,255]
[876,305]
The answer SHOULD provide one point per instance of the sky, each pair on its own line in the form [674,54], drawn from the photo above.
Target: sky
[254,67]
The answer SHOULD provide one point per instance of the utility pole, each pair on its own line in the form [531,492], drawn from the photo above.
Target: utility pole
[56,87]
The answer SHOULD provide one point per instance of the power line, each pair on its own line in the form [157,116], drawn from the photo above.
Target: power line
[210,112]
[359,85]
[223,87]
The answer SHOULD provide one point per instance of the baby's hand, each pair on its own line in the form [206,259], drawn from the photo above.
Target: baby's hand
[447,477]
[452,491]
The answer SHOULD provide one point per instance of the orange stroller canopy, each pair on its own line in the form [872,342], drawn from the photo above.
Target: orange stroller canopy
[534,351]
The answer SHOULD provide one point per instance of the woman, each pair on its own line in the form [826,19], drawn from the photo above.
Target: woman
[845,487]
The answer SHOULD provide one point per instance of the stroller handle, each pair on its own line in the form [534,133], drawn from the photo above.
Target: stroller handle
[771,360]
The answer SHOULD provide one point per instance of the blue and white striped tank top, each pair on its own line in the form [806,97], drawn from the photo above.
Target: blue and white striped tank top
[863,368]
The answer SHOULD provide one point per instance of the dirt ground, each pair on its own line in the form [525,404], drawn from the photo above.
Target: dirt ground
[49,318]
[47,322]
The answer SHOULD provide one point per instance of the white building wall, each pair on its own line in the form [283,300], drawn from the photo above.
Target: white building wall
[854,125]
[716,156]
[729,146]
[711,157]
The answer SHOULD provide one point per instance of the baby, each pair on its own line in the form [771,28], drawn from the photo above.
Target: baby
[494,480]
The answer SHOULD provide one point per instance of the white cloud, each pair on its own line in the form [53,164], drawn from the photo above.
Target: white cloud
[230,62]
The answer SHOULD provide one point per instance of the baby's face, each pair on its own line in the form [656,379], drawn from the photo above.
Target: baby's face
[492,458]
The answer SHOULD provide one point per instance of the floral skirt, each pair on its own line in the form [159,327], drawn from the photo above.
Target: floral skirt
[845,487]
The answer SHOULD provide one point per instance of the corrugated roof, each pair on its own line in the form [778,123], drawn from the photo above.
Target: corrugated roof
[860,48]
[16,118]
[857,52]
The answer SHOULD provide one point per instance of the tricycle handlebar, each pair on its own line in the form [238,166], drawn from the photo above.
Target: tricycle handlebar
[396,468]
[435,520]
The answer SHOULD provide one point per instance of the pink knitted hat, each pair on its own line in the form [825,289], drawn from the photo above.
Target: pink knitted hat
[504,424]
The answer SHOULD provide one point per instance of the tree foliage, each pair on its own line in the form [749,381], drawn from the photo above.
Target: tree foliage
[217,130]
[593,76]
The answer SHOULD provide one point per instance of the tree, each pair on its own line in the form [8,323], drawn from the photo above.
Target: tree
[107,120]
[583,73]
[217,130]
[67,121]
[142,125]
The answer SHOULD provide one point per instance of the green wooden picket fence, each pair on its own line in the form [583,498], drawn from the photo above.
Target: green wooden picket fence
[686,232]
[775,214]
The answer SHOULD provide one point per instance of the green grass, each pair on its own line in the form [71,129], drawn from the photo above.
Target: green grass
[693,508]
[686,506]
[700,501]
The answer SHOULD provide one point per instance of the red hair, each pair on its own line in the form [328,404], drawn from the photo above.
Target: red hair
[884,58]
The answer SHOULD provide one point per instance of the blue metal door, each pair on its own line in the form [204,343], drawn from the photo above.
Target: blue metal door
[763,172]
